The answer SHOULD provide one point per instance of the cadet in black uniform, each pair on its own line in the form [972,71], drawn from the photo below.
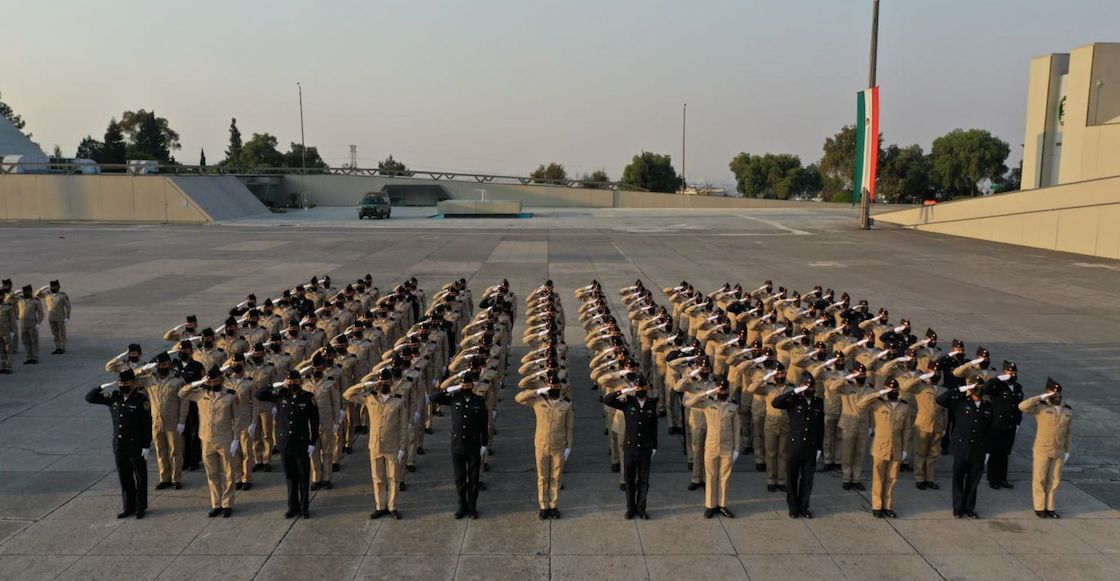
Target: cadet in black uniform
[640,443]
[297,434]
[132,437]
[1006,394]
[806,442]
[470,435]
[945,366]
[191,371]
[972,422]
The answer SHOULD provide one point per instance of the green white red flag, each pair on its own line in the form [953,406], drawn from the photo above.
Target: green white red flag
[867,143]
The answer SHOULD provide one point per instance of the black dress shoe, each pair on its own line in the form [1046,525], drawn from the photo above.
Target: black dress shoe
[616,467]
[859,486]
[481,485]
[396,515]
[1041,514]
[326,485]
[348,449]
[214,512]
[693,485]
[771,488]
[292,513]
[163,485]
[336,467]
[177,485]
[226,512]
[709,512]
[806,514]
[781,487]
[315,486]
[622,486]
[554,513]
[994,485]
[403,486]
[890,513]
[140,514]
[460,514]
[1053,514]
[543,514]
[1006,484]
[846,486]
[474,514]
[933,485]
[61,351]
[877,513]
[958,515]
[238,486]
[906,468]
[826,467]
[642,515]
[759,467]
[257,467]
[429,431]
[420,451]
[690,466]
[379,513]
[305,514]
[246,486]
[485,467]
[126,514]
[723,511]
[629,515]
[794,514]
[922,486]
[268,467]
[971,514]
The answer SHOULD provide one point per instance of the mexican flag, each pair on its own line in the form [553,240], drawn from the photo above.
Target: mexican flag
[867,143]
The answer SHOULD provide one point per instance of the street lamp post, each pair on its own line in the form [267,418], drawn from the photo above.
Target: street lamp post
[865,195]
[684,127]
[302,151]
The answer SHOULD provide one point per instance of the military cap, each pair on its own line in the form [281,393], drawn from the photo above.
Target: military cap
[127,375]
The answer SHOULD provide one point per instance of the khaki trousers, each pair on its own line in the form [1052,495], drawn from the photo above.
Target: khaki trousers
[244,460]
[1046,476]
[758,434]
[717,475]
[169,454]
[549,467]
[384,470]
[884,475]
[777,432]
[853,448]
[7,349]
[30,336]
[58,331]
[219,474]
[698,432]
[927,449]
[746,423]
[263,441]
[321,459]
[831,439]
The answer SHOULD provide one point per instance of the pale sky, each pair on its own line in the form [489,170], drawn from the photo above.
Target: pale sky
[504,85]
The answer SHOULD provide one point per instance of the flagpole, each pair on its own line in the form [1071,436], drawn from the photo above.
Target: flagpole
[865,195]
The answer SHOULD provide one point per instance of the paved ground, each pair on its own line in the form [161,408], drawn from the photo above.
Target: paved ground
[1055,314]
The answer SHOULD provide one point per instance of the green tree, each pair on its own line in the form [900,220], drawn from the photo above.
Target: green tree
[392,166]
[149,136]
[202,158]
[552,173]
[774,176]
[260,152]
[233,152]
[7,113]
[89,148]
[595,176]
[651,171]
[293,158]
[838,164]
[962,159]
[904,175]
[113,148]
[1012,182]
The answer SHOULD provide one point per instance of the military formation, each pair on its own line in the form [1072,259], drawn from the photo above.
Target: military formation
[802,382]
[21,315]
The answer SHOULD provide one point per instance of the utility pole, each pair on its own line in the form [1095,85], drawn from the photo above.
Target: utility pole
[353,157]
[684,128]
[865,196]
[302,151]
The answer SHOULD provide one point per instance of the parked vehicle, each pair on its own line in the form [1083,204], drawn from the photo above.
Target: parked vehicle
[375,205]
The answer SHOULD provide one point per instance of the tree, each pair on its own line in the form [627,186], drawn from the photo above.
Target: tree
[595,176]
[233,153]
[294,158]
[149,136]
[838,164]
[962,159]
[552,173]
[90,148]
[1012,182]
[774,176]
[17,121]
[651,171]
[202,158]
[392,166]
[114,148]
[56,153]
[904,175]
[260,152]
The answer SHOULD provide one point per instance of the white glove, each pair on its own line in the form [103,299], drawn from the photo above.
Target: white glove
[567,452]
[1003,377]
[252,429]
[711,391]
[1046,395]
[759,359]
[884,391]
[542,391]
[1065,457]
[311,450]
[652,453]
[181,428]
[482,452]
[400,455]
[965,388]
[144,453]
[454,388]
[334,428]
[800,389]
[818,455]
[926,376]
[769,375]
[976,361]
[862,342]
[904,455]
[416,418]
[341,415]
[233,447]
[628,390]
[986,456]
[734,456]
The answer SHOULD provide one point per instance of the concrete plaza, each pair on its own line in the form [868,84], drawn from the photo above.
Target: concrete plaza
[1055,314]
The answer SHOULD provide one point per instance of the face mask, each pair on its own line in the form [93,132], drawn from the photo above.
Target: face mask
[134,358]
[216,387]
[385,389]
[208,343]
[893,395]
[163,371]
[554,393]
[809,393]
[317,374]
[258,359]
[640,394]
[125,390]
[721,395]
[184,356]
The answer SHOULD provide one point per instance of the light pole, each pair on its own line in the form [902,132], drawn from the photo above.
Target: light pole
[302,151]
[684,127]
[865,195]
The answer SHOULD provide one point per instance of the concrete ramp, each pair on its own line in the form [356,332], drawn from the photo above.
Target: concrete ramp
[219,197]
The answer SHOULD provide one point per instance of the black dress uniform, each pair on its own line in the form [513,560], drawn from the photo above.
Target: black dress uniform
[806,439]
[470,431]
[297,427]
[637,447]
[945,366]
[1006,417]
[191,371]
[972,422]
[132,434]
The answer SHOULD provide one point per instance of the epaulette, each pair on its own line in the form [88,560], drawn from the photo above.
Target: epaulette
[231,391]
[1067,406]
[397,395]
[566,399]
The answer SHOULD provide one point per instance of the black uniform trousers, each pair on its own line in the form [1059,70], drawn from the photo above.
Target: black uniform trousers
[967,471]
[132,469]
[192,446]
[636,463]
[467,460]
[1002,440]
[297,471]
[799,482]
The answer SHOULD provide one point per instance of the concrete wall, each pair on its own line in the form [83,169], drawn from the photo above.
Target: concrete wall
[1083,218]
[1042,119]
[122,198]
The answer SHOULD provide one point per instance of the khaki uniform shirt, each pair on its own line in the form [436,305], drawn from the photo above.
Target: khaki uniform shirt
[889,418]
[217,414]
[555,421]
[1052,440]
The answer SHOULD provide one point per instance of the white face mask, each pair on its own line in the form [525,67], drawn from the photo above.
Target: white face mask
[1004,377]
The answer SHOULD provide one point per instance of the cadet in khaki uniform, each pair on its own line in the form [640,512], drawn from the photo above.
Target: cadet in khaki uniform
[169,419]
[929,424]
[889,414]
[693,382]
[243,386]
[388,426]
[58,314]
[217,424]
[1052,443]
[827,372]
[261,374]
[30,312]
[552,442]
[8,325]
[322,386]
[853,425]
[721,446]
[771,385]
